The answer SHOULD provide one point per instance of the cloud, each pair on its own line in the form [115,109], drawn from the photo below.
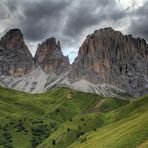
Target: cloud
[40,19]
[139,22]
[90,13]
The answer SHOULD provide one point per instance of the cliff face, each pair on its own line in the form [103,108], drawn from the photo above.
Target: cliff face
[109,57]
[19,70]
[50,57]
[15,58]
[108,62]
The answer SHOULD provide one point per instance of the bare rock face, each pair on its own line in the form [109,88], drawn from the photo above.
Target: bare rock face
[108,63]
[15,58]
[109,57]
[50,57]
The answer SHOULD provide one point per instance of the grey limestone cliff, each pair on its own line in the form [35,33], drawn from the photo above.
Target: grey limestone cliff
[15,57]
[109,57]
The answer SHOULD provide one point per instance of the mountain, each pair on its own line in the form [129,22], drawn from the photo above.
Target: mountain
[62,117]
[109,58]
[108,63]
[15,57]
[50,65]
[50,57]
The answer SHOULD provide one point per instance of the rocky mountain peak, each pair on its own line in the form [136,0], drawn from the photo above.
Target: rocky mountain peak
[15,58]
[108,63]
[109,57]
[13,39]
[50,57]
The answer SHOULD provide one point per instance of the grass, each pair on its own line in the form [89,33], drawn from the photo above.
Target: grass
[127,129]
[114,126]
[27,119]
[64,117]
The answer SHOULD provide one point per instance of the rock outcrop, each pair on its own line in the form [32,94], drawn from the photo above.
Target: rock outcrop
[19,70]
[15,57]
[110,58]
[50,57]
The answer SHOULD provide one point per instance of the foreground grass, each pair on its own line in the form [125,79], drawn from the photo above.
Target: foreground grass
[63,118]
[124,125]
[26,120]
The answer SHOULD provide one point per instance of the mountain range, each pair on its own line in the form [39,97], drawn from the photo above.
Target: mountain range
[98,101]
[108,63]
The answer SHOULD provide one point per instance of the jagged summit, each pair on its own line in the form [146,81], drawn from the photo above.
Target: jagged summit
[110,32]
[107,30]
[13,32]
[15,57]
[19,70]
[108,57]
[13,39]
[50,57]
[49,44]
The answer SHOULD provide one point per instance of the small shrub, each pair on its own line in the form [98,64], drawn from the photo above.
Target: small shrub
[70,120]
[57,110]
[82,119]
[53,142]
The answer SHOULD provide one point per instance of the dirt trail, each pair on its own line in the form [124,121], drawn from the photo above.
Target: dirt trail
[94,109]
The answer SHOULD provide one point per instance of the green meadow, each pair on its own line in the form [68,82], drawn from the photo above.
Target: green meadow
[62,117]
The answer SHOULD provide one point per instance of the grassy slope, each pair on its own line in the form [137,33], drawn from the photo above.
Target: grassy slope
[117,124]
[26,120]
[63,117]
[131,131]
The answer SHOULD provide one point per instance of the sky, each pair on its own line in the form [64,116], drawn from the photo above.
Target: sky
[70,21]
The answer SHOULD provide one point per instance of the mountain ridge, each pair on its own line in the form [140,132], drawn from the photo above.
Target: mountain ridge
[109,57]
[15,57]
[108,63]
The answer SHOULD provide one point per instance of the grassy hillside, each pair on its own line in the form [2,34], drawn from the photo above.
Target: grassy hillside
[128,129]
[115,123]
[26,120]
[63,118]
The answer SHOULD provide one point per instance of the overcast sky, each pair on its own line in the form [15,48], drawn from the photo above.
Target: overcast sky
[71,20]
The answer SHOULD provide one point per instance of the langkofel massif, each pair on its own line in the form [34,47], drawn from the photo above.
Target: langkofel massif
[108,63]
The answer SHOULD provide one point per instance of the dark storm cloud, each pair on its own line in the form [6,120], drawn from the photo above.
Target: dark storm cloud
[41,18]
[92,13]
[44,9]
[139,24]
[36,18]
